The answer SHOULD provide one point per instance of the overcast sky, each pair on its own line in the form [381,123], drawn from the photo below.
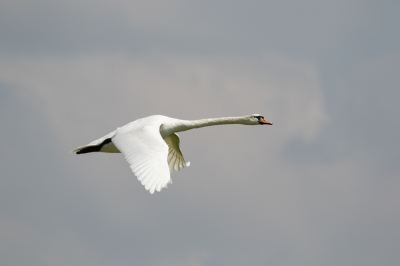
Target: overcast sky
[319,187]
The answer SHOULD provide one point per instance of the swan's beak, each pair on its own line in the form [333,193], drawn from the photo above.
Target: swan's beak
[264,122]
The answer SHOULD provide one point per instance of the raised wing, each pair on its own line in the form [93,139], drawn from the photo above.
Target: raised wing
[175,157]
[146,152]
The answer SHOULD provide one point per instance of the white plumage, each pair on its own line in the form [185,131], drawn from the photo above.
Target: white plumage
[151,146]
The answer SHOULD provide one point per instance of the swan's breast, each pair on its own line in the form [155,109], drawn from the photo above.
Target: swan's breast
[173,125]
[165,131]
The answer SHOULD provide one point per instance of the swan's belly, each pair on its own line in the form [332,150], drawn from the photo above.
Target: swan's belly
[110,148]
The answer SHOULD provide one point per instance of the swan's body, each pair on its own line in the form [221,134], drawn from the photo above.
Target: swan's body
[151,145]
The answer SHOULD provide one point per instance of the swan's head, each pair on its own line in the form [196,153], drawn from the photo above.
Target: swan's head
[257,119]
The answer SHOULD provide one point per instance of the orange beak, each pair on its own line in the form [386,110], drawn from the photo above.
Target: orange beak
[263,121]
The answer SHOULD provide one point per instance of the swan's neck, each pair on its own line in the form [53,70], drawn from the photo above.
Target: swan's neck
[183,125]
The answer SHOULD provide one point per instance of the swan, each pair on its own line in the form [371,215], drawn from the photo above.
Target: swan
[151,145]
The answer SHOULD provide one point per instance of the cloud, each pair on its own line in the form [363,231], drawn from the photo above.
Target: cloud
[90,87]
[35,192]
[139,14]
[196,27]
[85,97]
[379,83]
[319,187]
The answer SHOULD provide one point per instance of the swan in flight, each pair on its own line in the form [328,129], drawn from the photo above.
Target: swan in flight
[151,145]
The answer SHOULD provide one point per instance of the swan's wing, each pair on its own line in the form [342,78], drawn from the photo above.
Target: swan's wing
[175,157]
[146,152]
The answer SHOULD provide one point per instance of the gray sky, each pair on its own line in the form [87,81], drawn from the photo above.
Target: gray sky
[319,187]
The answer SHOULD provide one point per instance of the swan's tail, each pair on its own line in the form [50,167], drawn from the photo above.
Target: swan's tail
[87,149]
[105,145]
[91,148]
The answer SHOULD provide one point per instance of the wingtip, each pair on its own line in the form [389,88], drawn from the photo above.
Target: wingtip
[188,164]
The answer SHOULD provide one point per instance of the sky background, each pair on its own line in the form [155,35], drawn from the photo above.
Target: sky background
[319,187]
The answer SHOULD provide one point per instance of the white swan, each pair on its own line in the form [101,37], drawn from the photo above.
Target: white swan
[151,145]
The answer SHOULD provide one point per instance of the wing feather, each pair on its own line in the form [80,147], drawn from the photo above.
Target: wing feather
[147,153]
[176,161]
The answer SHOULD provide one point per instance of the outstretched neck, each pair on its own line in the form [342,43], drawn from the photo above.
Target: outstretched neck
[184,125]
[214,122]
